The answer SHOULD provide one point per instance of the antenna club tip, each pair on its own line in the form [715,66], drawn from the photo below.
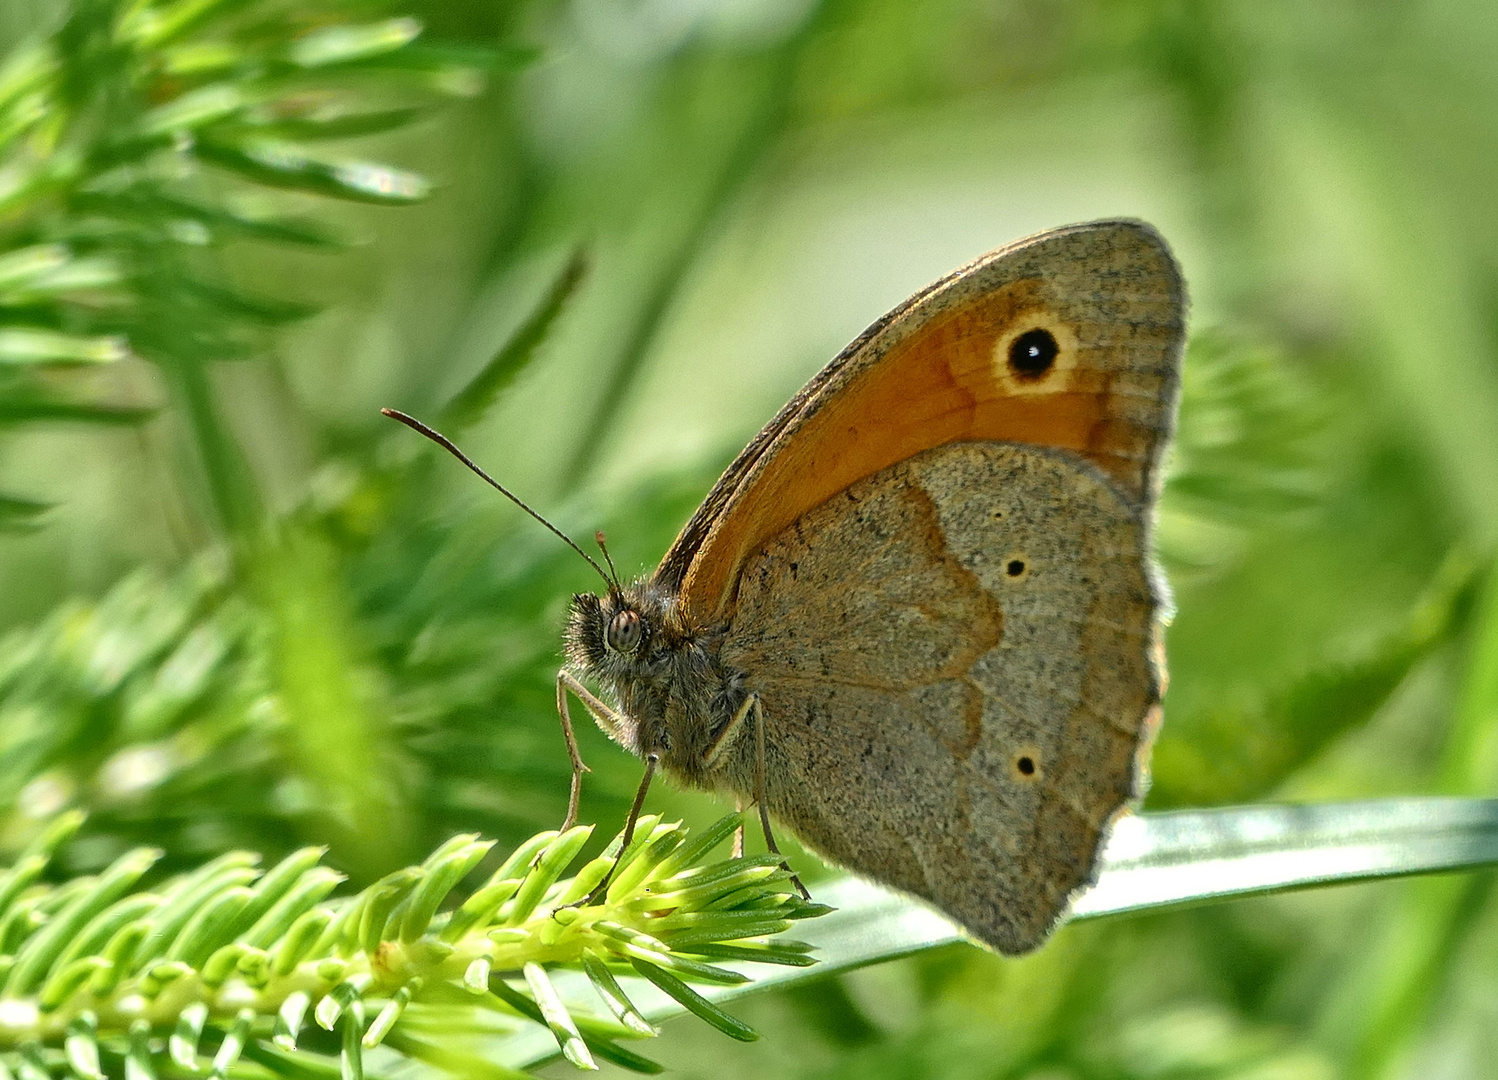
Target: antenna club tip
[599,538]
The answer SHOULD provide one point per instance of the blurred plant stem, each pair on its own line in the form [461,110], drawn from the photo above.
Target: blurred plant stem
[234,501]
[335,719]
[1238,754]
[1406,972]
[774,84]
[140,140]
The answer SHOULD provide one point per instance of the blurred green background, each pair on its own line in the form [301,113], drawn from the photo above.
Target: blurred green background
[242,610]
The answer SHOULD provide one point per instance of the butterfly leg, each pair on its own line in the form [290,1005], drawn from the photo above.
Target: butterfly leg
[606,719]
[651,761]
[730,733]
[752,703]
[726,738]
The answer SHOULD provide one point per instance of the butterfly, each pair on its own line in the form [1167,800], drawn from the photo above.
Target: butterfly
[917,620]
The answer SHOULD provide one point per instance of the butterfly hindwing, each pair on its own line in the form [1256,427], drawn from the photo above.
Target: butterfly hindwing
[956,659]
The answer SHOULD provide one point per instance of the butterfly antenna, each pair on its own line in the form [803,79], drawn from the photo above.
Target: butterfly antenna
[603,546]
[447,444]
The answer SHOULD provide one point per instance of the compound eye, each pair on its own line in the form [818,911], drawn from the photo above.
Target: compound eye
[623,635]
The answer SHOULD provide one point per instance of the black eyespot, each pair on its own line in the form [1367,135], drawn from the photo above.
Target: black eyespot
[1026,765]
[623,634]
[1032,353]
[1015,568]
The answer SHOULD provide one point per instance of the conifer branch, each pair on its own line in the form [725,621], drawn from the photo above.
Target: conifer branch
[101,977]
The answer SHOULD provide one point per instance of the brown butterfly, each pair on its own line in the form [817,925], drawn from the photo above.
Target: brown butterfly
[917,619]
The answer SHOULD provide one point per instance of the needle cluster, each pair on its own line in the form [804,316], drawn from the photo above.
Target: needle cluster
[102,977]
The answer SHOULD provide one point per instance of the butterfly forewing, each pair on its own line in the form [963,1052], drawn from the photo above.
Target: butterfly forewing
[954,364]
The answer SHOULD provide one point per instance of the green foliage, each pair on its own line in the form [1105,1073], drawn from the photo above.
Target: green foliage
[112,129]
[243,613]
[1236,754]
[1157,862]
[227,961]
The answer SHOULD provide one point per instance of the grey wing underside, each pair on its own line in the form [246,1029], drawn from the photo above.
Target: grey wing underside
[958,664]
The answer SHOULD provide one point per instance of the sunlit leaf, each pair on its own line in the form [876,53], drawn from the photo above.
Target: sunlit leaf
[202,58]
[189,112]
[342,44]
[48,271]
[22,266]
[26,69]
[283,165]
[155,25]
[36,346]
[334,125]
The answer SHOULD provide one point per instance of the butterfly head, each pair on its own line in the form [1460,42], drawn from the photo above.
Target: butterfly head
[621,634]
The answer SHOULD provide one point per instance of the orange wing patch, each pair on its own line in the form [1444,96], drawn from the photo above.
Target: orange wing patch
[1071,340]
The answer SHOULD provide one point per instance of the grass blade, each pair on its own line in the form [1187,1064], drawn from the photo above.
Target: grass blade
[1163,860]
[1153,861]
[515,354]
